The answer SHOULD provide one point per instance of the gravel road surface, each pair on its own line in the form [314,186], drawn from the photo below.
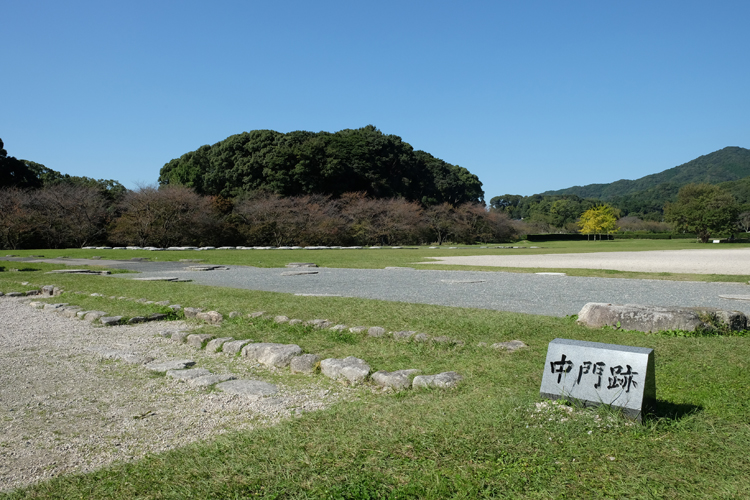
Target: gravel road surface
[518,292]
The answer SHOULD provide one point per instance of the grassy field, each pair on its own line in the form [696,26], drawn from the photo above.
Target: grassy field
[410,257]
[487,438]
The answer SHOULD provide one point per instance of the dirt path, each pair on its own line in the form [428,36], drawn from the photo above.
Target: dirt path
[703,261]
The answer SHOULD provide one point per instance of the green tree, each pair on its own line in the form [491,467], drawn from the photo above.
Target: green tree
[703,209]
[601,219]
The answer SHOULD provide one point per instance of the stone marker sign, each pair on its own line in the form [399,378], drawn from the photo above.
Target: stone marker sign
[593,373]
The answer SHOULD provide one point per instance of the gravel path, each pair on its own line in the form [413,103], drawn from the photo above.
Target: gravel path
[517,292]
[65,409]
[703,261]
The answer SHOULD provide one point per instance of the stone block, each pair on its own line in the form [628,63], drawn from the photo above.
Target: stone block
[256,314]
[110,320]
[180,336]
[281,319]
[212,317]
[358,329]
[376,331]
[164,366]
[271,354]
[306,363]
[351,369]
[654,319]
[215,344]
[443,380]
[510,346]
[191,312]
[137,319]
[400,379]
[233,347]
[209,380]
[198,339]
[94,315]
[593,373]
[188,374]
[403,335]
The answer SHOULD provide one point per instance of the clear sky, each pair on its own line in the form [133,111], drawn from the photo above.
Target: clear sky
[528,95]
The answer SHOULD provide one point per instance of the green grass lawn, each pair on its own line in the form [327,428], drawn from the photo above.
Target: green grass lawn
[410,257]
[484,439]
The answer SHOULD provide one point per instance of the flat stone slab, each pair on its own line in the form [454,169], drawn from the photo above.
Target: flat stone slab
[351,369]
[213,317]
[376,331]
[400,379]
[463,281]
[175,364]
[94,315]
[191,312]
[157,278]
[209,380]
[735,297]
[198,339]
[306,363]
[298,273]
[301,264]
[272,354]
[180,336]
[403,335]
[653,319]
[233,347]
[510,346]
[551,274]
[443,380]
[216,344]
[188,374]
[251,388]
[593,373]
[110,320]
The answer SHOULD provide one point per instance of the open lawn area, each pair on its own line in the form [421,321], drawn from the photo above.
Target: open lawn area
[490,437]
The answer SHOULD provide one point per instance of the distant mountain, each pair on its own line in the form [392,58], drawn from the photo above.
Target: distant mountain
[728,164]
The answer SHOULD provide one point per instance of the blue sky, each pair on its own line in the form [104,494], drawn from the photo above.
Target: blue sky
[530,96]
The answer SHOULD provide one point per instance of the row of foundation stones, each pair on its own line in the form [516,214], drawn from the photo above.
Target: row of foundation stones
[350,370]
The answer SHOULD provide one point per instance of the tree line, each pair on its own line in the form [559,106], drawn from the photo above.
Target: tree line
[64,215]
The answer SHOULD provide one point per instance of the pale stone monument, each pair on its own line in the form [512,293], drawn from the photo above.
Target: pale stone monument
[593,373]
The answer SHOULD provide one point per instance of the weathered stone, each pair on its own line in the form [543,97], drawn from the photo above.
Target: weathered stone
[305,363]
[510,346]
[188,374]
[137,319]
[295,321]
[37,305]
[594,373]
[301,264]
[110,320]
[256,314]
[376,331]
[235,314]
[198,339]
[271,354]
[400,379]
[30,293]
[209,380]
[69,311]
[298,273]
[180,336]
[176,307]
[249,388]
[48,290]
[421,337]
[441,380]
[280,319]
[652,318]
[162,303]
[339,328]
[442,339]
[358,329]
[52,307]
[157,278]
[403,335]
[212,317]
[319,323]
[176,364]
[215,344]
[232,348]
[351,369]
[157,317]
[135,359]
[191,312]
[94,315]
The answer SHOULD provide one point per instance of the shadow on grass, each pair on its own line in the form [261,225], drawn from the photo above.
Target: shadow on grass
[673,411]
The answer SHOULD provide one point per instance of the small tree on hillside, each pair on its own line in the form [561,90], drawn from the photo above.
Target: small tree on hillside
[600,219]
[703,209]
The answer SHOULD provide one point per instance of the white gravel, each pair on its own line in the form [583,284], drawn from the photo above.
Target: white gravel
[703,261]
[66,409]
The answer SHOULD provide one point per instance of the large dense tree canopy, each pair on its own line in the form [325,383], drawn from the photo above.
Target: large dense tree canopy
[300,163]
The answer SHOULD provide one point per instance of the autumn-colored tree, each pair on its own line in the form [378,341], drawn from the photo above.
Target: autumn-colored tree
[171,216]
[601,219]
[67,215]
[16,217]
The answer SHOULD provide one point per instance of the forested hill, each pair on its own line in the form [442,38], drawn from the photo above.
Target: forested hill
[296,163]
[728,164]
